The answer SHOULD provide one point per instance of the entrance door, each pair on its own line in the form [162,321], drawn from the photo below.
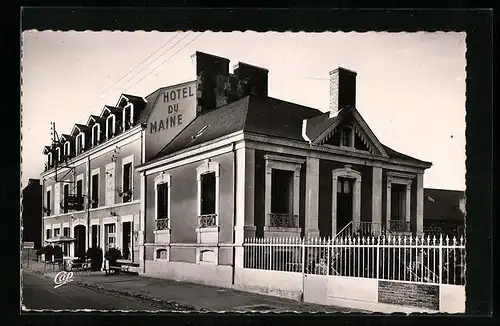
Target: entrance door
[80,234]
[127,237]
[344,202]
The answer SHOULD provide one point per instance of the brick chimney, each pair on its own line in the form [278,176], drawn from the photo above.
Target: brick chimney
[212,73]
[254,79]
[342,90]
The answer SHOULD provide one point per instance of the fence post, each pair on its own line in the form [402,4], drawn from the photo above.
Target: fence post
[440,259]
[378,257]
[328,253]
[303,259]
[271,254]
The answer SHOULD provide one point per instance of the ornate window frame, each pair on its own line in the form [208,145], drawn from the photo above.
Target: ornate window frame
[209,234]
[294,165]
[406,180]
[346,172]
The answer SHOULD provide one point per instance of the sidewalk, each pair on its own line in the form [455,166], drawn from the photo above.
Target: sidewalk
[188,296]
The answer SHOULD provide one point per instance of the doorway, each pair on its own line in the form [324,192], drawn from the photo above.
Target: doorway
[344,202]
[80,235]
[127,240]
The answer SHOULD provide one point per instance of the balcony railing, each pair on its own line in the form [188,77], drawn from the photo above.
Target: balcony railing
[398,226]
[283,220]
[367,228]
[207,220]
[162,224]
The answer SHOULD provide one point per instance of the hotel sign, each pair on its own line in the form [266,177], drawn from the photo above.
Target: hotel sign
[175,107]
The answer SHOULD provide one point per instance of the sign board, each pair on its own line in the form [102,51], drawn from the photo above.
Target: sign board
[28,245]
[174,109]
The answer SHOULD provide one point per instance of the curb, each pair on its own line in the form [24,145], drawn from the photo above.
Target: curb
[165,304]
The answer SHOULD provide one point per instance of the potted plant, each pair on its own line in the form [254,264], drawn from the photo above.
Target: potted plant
[95,256]
[112,255]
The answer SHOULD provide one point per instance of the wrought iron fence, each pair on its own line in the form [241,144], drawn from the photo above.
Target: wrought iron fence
[412,259]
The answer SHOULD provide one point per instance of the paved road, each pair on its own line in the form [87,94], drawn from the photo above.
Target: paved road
[39,293]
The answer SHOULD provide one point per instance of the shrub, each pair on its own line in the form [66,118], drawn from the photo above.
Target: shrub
[113,255]
[95,256]
[58,252]
[48,251]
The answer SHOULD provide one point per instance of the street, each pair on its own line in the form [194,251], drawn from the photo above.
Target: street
[39,293]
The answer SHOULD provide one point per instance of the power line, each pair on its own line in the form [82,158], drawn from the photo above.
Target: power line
[165,61]
[186,35]
[156,51]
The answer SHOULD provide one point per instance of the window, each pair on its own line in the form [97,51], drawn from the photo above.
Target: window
[345,137]
[95,191]
[48,234]
[80,143]
[49,158]
[127,182]
[79,188]
[343,186]
[47,210]
[127,117]
[96,131]
[67,149]
[57,232]
[162,200]
[110,126]
[65,196]
[110,236]
[58,154]
[208,193]
[66,245]
[95,236]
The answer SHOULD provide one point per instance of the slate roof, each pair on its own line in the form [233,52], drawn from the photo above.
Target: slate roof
[82,127]
[266,116]
[441,204]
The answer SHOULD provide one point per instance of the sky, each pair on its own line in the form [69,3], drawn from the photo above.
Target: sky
[410,86]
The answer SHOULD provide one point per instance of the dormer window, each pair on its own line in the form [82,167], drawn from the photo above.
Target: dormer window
[67,149]
[110,126]
[80,143]
[58,154]
[49,157]
[96,134]
[128,113]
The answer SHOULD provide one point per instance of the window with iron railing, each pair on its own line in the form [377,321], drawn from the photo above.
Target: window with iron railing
[65,196]
[127,182]
[162,206]
[47,204]
[95,191]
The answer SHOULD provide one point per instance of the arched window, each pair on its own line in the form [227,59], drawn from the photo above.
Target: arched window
[80,143]
[49,158]
[58,154]
[96,134]
[128,114]
[67,149]
[110,126]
